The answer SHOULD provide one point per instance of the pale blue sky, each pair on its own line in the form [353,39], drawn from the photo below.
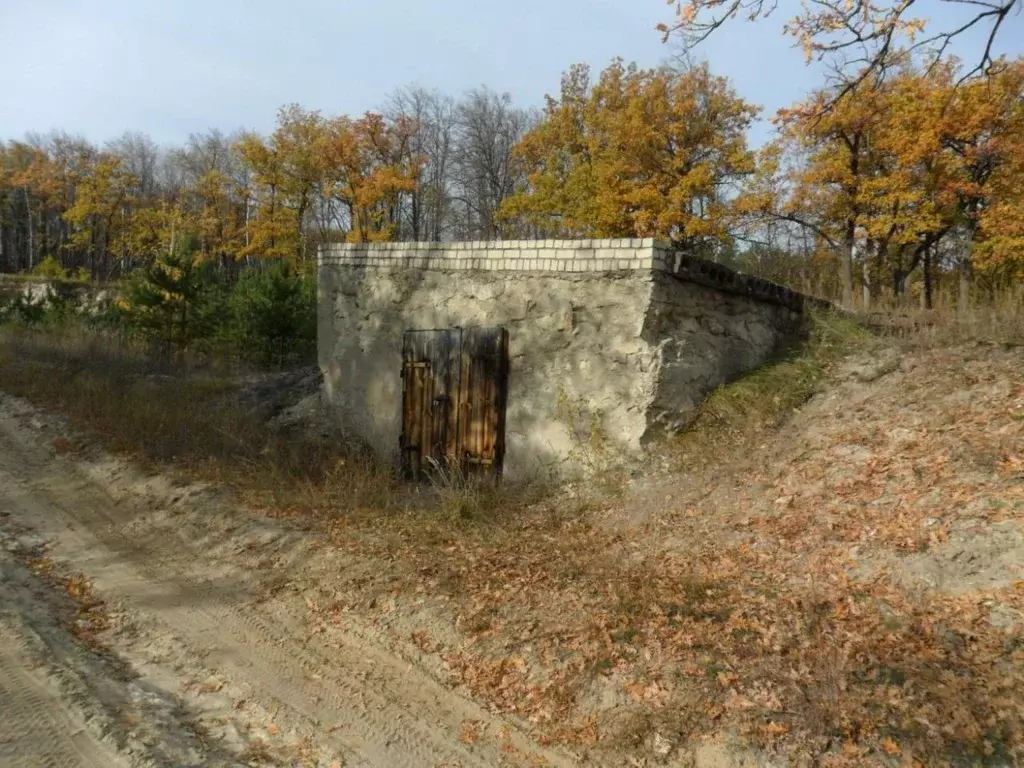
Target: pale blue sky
[100,67]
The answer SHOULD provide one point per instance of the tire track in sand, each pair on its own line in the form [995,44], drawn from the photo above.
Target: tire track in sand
[367,704]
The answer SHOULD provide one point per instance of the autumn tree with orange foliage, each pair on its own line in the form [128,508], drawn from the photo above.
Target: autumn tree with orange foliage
[368,168]
[983,129]
[99,213]
[315,176]
[227,199]
[274,229]
[639,153]
[863,43]
[885,175]
[28,173]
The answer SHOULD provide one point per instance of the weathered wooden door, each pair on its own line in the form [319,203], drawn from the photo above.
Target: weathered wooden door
[482,400]
[455,384]
[431,367]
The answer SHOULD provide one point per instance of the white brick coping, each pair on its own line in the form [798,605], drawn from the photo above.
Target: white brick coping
[560,256]
[498,245]
[501,255]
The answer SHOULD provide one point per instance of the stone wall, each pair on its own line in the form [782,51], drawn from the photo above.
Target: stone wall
[623,335]
[706,337]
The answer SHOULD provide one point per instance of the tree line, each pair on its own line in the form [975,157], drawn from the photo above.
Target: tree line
[425,167]
[906,183]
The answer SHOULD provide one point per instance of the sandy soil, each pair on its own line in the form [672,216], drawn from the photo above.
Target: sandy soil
[42,667]
[228,653]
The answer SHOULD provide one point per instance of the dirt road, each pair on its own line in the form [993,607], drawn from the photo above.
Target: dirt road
[218,669]
[47,680]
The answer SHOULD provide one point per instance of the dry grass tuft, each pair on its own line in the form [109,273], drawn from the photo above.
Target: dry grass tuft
[1000,321]
[164,414]
[189,417]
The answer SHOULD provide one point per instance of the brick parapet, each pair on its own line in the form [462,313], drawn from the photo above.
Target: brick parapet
[560,257]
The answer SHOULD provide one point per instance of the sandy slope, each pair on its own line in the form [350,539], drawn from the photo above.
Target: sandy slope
[242,662]
[41,724]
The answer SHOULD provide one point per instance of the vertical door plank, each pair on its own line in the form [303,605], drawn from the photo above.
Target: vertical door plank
[453,385]
[485,360]
[445,348]
[418,393]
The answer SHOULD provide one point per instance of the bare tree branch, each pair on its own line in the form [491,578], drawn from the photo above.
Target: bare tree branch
[885,34]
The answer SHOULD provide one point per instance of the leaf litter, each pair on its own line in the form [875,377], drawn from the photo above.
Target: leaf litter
[778,597]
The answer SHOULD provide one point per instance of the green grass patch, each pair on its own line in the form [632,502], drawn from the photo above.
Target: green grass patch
[737,412]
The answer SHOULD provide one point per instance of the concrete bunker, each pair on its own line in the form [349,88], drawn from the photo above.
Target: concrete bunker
[520,357]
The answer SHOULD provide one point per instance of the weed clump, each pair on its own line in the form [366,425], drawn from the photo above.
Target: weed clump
[736,413]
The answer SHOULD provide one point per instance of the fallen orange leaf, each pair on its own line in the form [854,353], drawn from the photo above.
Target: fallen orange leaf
[890,747]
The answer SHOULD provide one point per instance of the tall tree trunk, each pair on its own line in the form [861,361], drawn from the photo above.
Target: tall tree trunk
[898,274]
[865,273]
[415,203]
[850,235]
[897,283]
[31,233]
[60,243]
[964,293]
[273,213]
[926,279]
[849,243]
[302,237]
